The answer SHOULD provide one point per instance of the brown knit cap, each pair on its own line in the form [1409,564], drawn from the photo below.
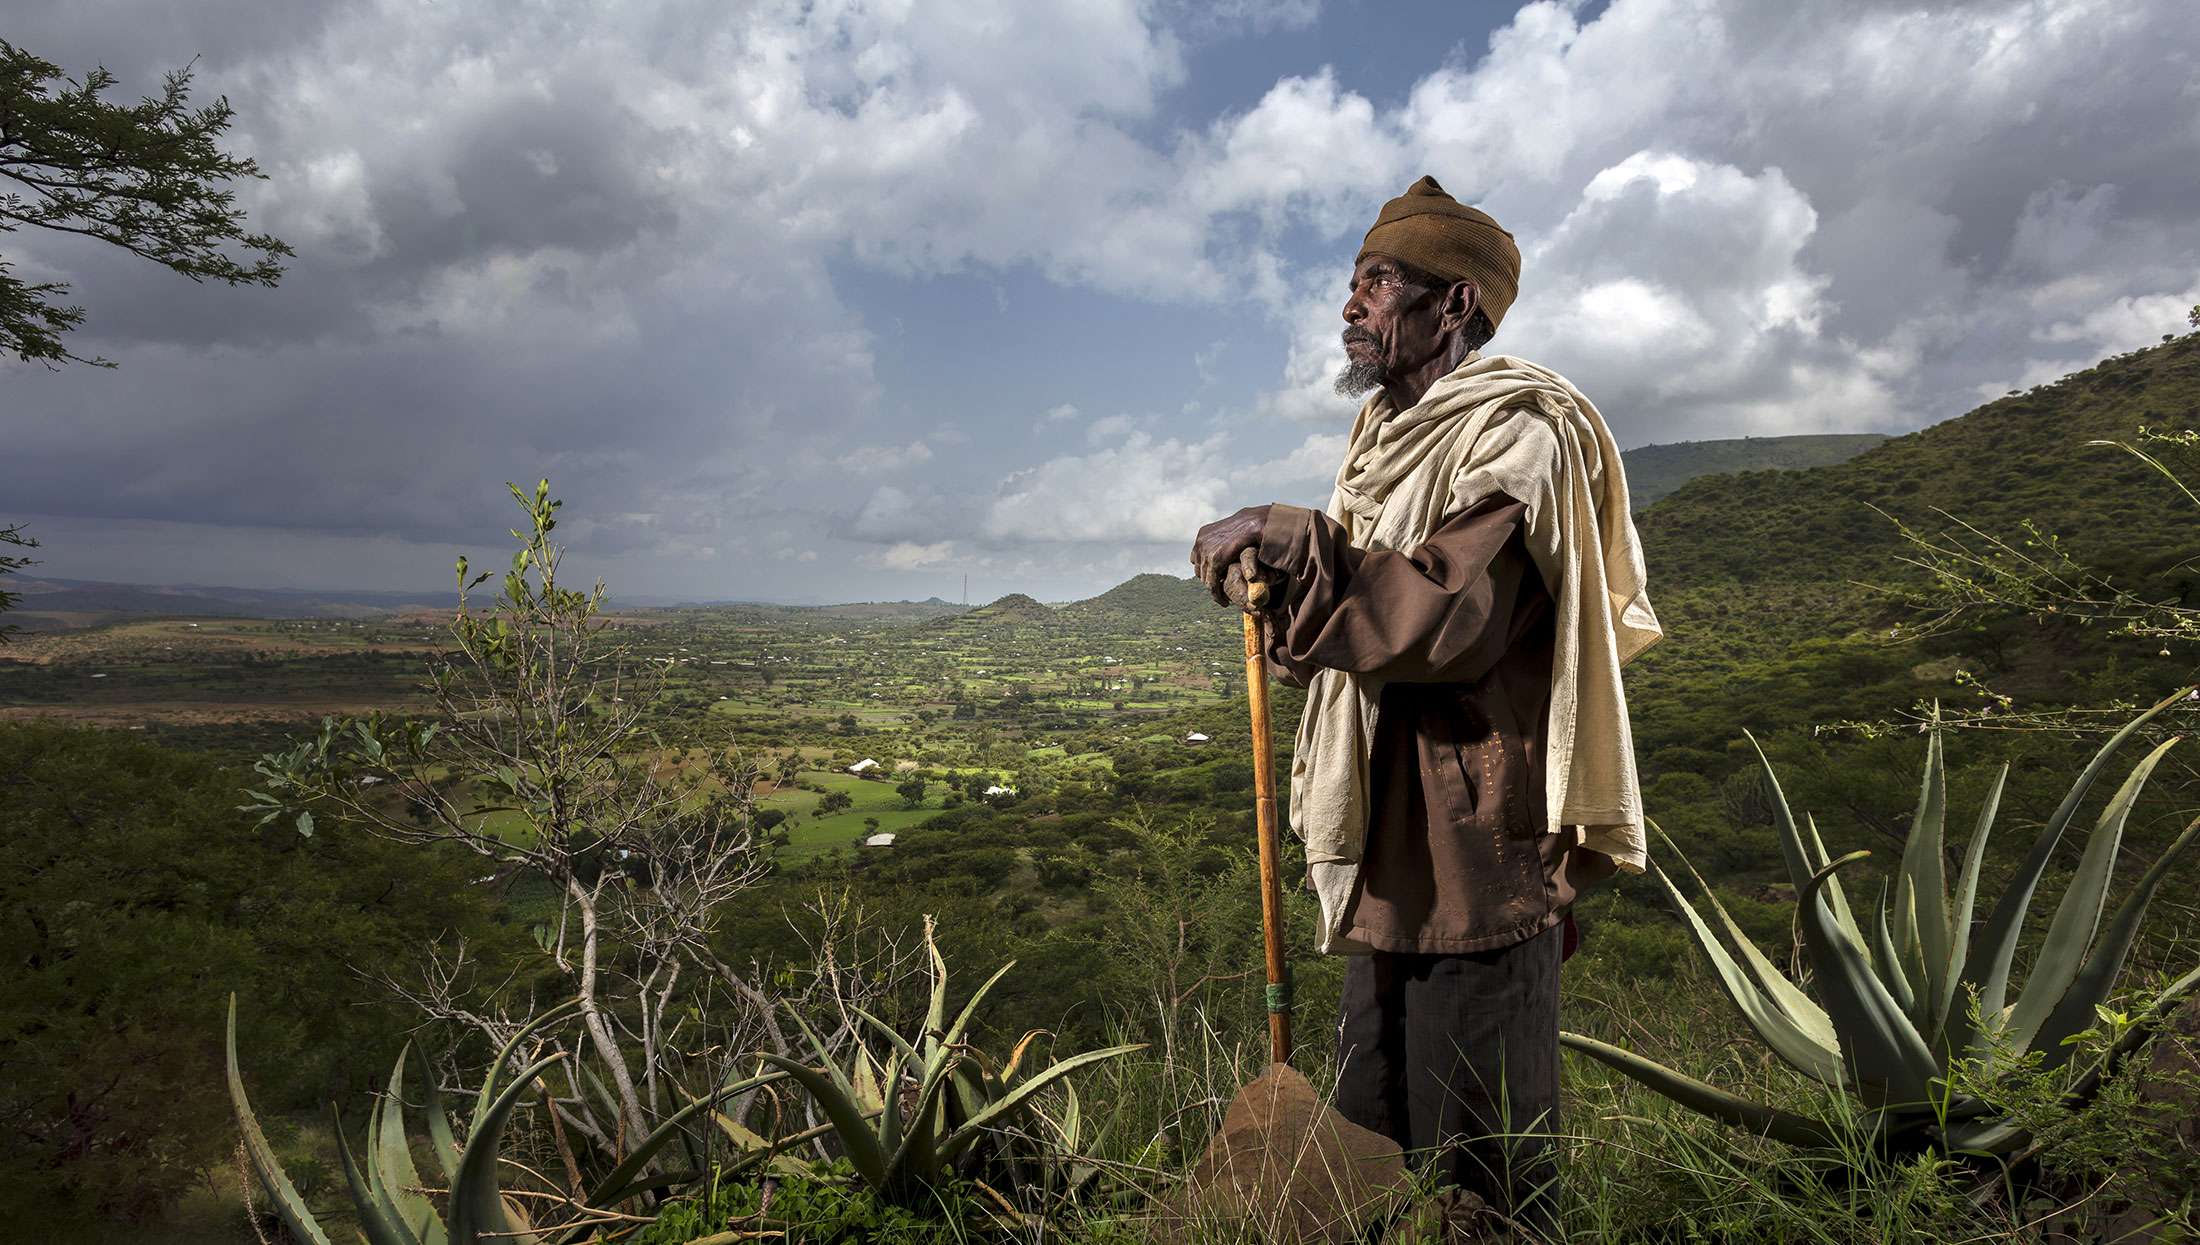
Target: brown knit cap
[1431,230]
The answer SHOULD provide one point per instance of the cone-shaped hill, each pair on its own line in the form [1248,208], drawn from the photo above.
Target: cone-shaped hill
[1015,609]
[1146,599]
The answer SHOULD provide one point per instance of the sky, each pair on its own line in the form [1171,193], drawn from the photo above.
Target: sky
[848,300]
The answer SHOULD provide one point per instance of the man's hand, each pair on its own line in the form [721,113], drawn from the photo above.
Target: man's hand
[1221,544]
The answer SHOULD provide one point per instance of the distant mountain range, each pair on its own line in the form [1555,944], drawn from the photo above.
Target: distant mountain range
[1711,510]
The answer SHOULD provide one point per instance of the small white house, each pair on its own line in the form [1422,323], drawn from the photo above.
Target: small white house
[998,789]
[882,839]
[863,765]
[1195,738]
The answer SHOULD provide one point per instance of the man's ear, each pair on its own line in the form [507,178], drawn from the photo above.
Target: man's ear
[1460,302]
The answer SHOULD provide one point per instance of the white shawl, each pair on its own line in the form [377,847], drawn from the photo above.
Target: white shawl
[1495,424]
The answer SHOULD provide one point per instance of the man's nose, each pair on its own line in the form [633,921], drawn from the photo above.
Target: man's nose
[1353,311]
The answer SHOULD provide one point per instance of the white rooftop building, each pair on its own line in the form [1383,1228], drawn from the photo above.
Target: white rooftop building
[862,765]
[884,839]
[1195,738]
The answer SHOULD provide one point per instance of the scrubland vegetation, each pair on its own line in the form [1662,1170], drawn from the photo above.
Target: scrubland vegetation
[623,876]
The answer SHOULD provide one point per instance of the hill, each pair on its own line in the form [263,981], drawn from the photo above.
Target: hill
[1145,600]
[53,604]
[1771,586]
[1656,470]
[1013,609]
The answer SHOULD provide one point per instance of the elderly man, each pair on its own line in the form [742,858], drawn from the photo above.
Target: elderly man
[1464,769]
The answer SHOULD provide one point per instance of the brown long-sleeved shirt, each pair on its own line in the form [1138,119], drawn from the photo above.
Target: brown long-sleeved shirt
[1459,630]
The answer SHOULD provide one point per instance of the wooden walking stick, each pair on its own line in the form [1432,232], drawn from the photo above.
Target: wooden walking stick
[1264,814]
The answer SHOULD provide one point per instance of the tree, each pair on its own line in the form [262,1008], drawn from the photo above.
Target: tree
[911,791]
[137,897]
[539,758]
[835,802]
[9,565]
[148,177]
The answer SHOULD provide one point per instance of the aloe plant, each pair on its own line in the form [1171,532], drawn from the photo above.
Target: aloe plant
[1900,1008]
[919,1115]
[391,1201]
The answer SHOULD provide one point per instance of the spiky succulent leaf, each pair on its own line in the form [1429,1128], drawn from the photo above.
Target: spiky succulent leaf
[1881,1048]
[1800,866]
[1779,1030]
[1837,895]
[478,1209]
[378,1220]
[1996,946]
[1791,999]
[954,1033]
[488,1096]
[1013,1100]
[390,1161]
[1887,961]
[1704,1099]
[2078,916]
[2135,1036]
[630,1169]
[1921,887]
[1959,914]
[289,1207]
[2097,976]
[857,1140]
[439,1128]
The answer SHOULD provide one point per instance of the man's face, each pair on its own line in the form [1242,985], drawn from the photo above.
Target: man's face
[1393,324]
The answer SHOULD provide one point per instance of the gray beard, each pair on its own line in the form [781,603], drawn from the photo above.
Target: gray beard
[1358,376]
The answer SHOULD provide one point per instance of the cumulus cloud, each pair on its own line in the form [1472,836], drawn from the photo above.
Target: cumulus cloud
[654,253]
[1139,491]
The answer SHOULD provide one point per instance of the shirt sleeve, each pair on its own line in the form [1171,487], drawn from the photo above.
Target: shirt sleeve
[1442,612]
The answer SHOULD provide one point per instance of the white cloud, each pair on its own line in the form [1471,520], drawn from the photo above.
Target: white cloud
[1142,490]
[865,460]
[910,556]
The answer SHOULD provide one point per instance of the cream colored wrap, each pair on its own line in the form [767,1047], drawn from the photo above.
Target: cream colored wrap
[1495,424]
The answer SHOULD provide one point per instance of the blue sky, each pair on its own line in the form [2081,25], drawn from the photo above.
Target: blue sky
[848,300]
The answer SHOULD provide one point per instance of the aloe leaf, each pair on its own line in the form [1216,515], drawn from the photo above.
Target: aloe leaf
[2101,968]
[955,1032]
[478,1210]
[1914,974]
[619,1178]
[1836,894]
[284,1195]
[1780,1032]
[850,1124]
[1993,1137]
[887,1031]
[496,1066]
[915,1155]
[1882,1049]
[389,1159]
[889,1120]
[1959,916]
[1886,961]
[439,1127]
[2078,916]
[1996,946]
[971,1128]
[1921,887]
[1704,1099]
[935,1012]
[842,1086]
[378,1220]
[1799,865]
[1790,998]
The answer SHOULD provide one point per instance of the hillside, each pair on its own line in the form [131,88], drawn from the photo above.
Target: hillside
[1145,600]
[1766,583]
[1656,470]
[1015,609]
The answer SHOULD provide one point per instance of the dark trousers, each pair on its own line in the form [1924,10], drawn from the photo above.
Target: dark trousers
[1455,1057]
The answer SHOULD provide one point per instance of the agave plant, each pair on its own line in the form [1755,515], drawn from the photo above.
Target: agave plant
[922,1113]
[1901,1004]
[391,1201]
